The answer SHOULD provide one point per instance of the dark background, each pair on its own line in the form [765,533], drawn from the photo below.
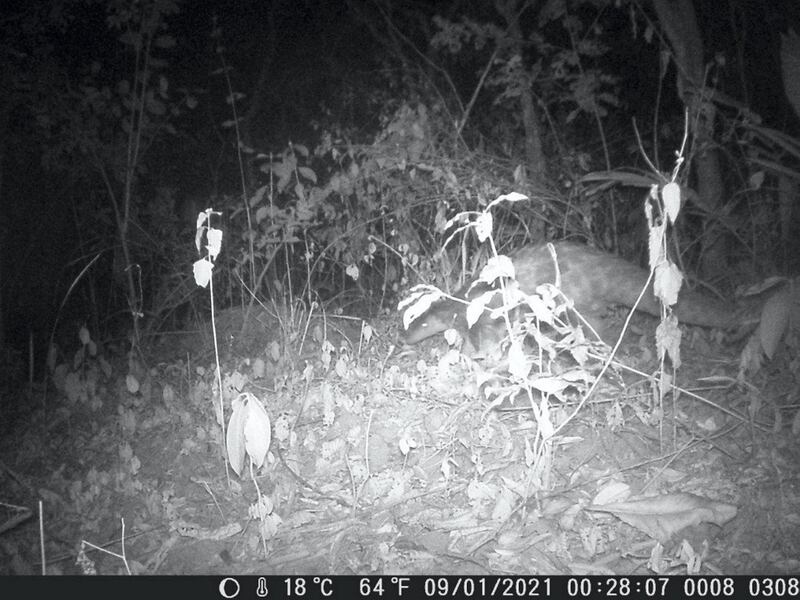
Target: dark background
[333,77]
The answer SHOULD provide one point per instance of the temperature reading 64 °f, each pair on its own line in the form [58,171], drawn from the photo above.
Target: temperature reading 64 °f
[309,587]
[379,587]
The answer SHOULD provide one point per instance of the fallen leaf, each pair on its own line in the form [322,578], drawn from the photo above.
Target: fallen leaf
[663,516]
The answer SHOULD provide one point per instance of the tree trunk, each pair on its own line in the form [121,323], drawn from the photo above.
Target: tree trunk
[534,155]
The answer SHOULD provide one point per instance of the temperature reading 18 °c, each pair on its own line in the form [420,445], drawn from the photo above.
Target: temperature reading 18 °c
[302,587]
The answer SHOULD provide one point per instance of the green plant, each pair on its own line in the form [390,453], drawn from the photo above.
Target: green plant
[538,315]
[113,122]
[203,275]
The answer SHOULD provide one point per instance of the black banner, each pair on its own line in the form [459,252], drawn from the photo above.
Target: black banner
[395,587]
